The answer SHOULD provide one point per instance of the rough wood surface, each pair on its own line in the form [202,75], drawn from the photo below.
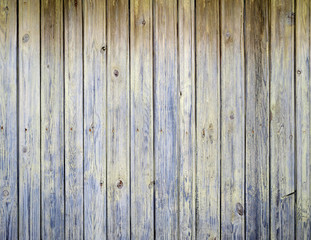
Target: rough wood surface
[207,119]
[95,60]
[186,118]
[118,123]
[29,119]
[232,120]
[303,107]
[257,119]
[142,179]
[73,119]
[8,120]
[52,120]
[165,119]
[282,120]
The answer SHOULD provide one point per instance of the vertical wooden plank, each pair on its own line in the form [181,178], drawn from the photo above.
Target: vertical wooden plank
[29,119]
[8,120]
[95,119]
[73,120]
[118,149]
[257,119]
[166,118]
[282,124]
[186,120]
[303,51]
[142,185]
[52,120]
[232,120]
[208,119]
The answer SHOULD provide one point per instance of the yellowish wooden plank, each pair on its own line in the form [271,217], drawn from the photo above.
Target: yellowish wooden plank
[303,71]
[186,45]
[166,119]
[232,119]
[8,120]
[118,108]
[52,120]
[208,119]
[95,60]
[257,119]
[29,119]
[73,120]
[142,179]
[282,120]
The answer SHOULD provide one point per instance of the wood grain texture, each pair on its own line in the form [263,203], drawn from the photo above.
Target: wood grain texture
[73,119]
[118,123]
[166,119]
[232,120]
[186,118]
[8,120]
[303,132]
[282,135]
[95,60]
[52,120]
[207,120]
[29,119]
[257,119]
[142,179]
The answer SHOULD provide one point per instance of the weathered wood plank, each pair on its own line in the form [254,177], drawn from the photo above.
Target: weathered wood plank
[208,119]
[118,128]
[257,119]
[8,120]
[166,118]
[303,92]
[232,120]
[52,120]
[95,60]
[282,136]
[29,119]
[186,46]
[142,179]
[73,120]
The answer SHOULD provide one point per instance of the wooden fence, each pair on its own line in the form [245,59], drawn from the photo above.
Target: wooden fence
[163,119]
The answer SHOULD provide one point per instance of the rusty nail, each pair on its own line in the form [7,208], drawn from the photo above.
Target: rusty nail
[90,130]
[116,73]
[101,184]
[26,38]
[299,72]
[70,129]
[239,209]
[1,127]
[120,184]
[137,130]
[25,129]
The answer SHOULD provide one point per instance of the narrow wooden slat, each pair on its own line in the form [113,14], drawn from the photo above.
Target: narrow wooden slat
[232,120]
[94,119]
[165,119]
[8,120]
[257,118]
[186,45]
[52,120]
[303,92]
[29,119]
[208,119]
[142,185]
[73,120]
[118,108]
[282,136]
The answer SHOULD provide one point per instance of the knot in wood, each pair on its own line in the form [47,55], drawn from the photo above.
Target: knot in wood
[5,193]
[26,38]
[239,209]
[116,73]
